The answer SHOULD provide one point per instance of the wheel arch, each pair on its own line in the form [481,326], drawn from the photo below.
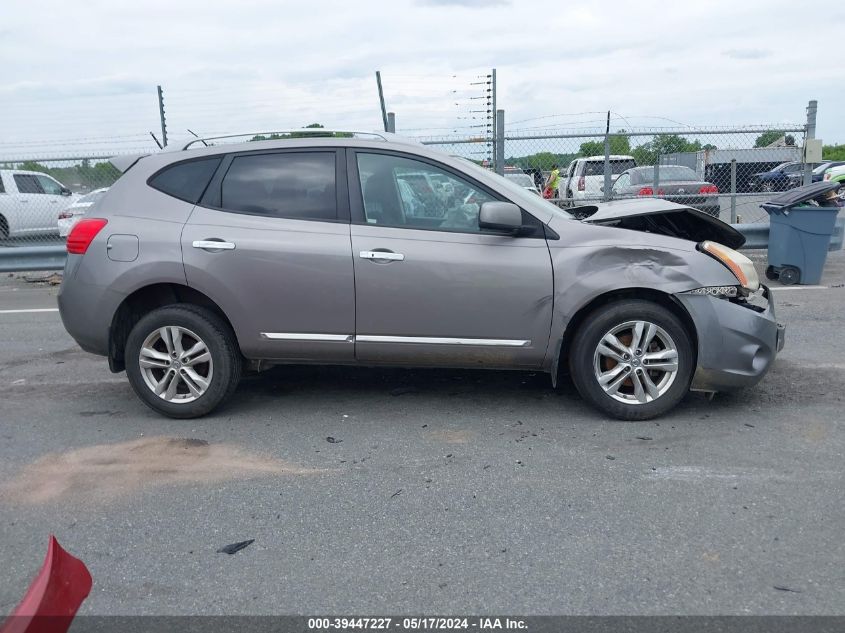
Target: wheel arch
[664,299]
[144,300]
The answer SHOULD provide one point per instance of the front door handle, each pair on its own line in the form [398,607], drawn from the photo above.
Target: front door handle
[389,256]
[214,245]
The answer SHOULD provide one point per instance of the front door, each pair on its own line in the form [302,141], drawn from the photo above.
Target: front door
[430,286]
[269,242]
[40,201]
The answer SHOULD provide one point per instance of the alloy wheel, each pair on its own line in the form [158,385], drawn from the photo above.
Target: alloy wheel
[176,364]
[636,362]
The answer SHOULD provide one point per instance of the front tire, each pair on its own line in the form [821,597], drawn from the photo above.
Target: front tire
[182,360]
[632,359]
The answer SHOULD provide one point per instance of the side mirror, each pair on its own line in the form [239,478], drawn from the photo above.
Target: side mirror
[500,216]
[65,191]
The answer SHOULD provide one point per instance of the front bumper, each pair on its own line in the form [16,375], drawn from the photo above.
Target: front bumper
[737,343]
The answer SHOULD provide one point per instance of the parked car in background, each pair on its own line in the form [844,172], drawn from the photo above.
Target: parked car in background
[30,203]
[200,263]
[796,179]
[776,179]
[77,209]
[584,178]
[675,182]
[835,174]
[519,177]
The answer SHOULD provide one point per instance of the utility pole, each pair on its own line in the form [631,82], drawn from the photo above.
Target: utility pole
[381,100]
[391,122]
[809,133]
[161,116]
[607,178]
[495,115]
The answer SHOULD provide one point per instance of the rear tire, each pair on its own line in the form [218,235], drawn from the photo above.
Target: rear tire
[640,382]
[182,360]
[4,228]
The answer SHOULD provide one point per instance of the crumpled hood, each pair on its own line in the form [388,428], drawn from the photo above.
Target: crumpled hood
[654,215]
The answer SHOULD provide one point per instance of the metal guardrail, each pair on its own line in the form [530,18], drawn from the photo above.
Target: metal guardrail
[35,258]
[757,235]
[32,258]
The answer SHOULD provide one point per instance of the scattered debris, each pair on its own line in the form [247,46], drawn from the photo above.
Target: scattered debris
[789,589]
[397,493]
[332,440]
[234,548]
[53,279]
[645,437]
[610,457]
[751,426]
[400,391]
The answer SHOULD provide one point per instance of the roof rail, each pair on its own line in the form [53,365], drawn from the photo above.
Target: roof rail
[309,130]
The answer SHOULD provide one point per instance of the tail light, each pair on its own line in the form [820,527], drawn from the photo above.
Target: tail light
[645,191]
[709,189]
[581,183]
[83,233]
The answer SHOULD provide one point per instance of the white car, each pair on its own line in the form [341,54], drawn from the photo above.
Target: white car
[519,177]
[30,202]
[584,178]
[72,214]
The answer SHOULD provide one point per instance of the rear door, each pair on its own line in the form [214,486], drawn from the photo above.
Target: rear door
[269,242]
[431,287]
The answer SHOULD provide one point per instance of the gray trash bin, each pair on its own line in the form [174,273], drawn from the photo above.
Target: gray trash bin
[799,233]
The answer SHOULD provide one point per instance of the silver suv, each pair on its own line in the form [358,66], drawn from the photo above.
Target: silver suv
[199,264]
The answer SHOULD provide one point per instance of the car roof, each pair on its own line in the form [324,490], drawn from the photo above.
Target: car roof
[611,157]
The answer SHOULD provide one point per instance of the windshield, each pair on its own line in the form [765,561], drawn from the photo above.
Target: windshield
[518,194]
[523,180]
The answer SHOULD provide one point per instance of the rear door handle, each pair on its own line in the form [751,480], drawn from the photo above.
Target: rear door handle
[214,245]
[382,255]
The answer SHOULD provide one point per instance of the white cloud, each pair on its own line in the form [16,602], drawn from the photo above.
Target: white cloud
[91,70]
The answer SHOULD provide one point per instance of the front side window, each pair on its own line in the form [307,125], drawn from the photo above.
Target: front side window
[403,192]
[27,183]
[50,186]
[297,185]
[187,180]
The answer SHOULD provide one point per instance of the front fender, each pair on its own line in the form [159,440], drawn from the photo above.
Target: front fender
[586,273]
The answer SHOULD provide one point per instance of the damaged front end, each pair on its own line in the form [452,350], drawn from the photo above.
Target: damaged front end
[654,215]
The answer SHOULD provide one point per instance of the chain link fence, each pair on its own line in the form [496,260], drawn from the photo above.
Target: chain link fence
[41,198]
[727,172]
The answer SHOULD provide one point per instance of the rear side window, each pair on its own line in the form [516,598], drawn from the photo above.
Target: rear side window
[27,183]
[596,167]
[186,181]
[297,185]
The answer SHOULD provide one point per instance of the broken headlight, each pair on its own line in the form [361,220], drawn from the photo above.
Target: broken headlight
[742,267]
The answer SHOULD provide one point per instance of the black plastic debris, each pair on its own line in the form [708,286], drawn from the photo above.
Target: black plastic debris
[789,589]
[396,494]
[644,437]
[234,548]
[332,440]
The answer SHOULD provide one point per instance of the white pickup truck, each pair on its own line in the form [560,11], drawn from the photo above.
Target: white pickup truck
[30,203]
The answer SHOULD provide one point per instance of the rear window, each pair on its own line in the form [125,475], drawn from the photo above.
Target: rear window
[186,181]
[666,173]
[297,185]
[617,166]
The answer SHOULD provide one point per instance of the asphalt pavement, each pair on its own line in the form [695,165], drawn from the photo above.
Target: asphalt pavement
[430,492]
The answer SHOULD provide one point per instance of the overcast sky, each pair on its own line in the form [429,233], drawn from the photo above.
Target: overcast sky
[88,69]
